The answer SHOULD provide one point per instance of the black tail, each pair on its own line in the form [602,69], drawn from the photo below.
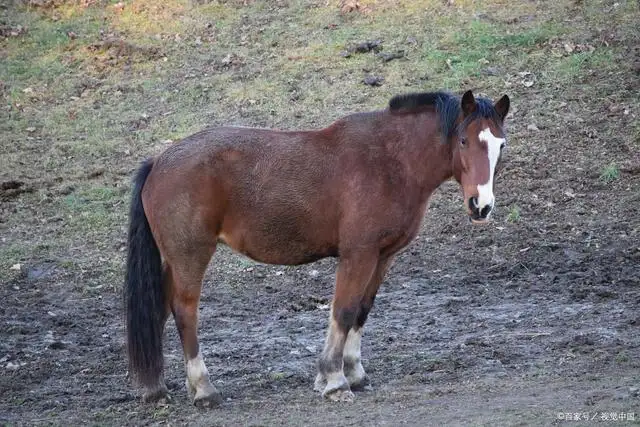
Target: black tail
[144,292]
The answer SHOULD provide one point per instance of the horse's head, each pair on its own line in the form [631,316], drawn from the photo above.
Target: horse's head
[478,150]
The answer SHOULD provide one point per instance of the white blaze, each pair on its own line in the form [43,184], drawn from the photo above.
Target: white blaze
[485,191]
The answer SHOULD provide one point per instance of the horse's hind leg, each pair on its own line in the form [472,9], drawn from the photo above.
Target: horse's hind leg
[353,370]
[187,274]
[354,273]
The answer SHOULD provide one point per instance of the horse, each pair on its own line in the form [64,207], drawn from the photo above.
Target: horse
[356,190]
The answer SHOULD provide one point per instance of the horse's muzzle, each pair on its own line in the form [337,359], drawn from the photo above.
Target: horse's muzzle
[478,215]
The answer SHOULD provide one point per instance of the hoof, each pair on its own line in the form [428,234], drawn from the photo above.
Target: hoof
[160,395]
[206,399]
[337,389]
[339,396]
[363,384]
[320,383]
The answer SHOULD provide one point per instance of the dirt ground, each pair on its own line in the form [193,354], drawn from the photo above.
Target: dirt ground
[531,320]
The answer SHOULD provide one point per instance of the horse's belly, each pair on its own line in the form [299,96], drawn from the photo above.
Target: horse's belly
[274,248]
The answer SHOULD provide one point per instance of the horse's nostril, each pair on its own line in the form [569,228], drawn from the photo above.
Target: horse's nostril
[473,204]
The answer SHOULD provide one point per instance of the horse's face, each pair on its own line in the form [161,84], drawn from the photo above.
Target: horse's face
[478,153]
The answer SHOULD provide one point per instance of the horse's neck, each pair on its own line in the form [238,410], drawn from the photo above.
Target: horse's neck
[427,159]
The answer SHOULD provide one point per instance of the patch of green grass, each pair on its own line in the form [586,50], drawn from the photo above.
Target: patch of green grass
[161,412]
[11,254]
[572,67]
[95,211]
[514,214]
[610,173]
[486,37]
[278,376]
[622,358]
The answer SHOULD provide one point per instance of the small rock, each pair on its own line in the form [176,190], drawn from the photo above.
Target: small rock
[314,273]
[386,57]
[364,47]
[311,348]
[491,71]
[17,267]
[30,129]
[373,81]
[12,366]
[57,345]
[279,273]
[96,173]
[532,127]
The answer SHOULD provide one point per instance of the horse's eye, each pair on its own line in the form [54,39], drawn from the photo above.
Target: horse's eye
[463,141]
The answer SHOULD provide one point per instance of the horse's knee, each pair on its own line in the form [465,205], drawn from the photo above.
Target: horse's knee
[346,316]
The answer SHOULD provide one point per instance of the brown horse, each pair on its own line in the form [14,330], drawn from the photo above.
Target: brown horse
[356,190]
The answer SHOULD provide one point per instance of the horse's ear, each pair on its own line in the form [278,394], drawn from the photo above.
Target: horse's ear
[502,107]
[468,103]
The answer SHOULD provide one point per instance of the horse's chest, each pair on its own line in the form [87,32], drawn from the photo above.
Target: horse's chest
[402,228]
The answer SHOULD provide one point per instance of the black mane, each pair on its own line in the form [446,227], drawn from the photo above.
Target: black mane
[447,106]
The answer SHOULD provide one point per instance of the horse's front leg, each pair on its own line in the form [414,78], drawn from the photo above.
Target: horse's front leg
[353,368]
[355,271]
